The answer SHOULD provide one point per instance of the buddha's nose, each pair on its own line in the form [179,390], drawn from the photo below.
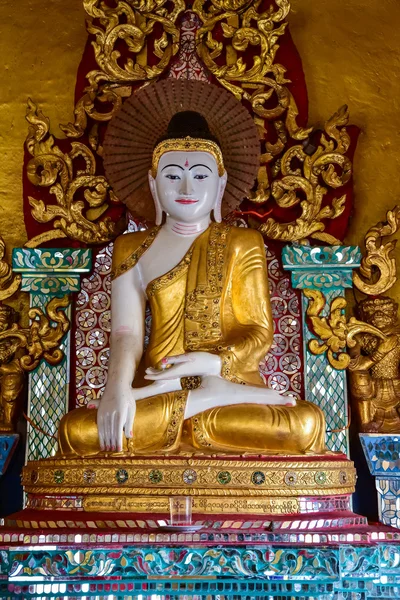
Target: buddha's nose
[186,186]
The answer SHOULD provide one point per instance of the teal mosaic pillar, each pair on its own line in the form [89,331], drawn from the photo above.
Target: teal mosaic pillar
[382,452]
[328,269]
[46,274]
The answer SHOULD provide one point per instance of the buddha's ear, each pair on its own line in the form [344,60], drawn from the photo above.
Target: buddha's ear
[217,209]
[157,205]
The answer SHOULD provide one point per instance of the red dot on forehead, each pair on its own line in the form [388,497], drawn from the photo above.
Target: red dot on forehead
[186,163]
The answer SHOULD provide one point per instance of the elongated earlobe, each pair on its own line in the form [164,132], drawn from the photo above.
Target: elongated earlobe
[157,205]
[218,204]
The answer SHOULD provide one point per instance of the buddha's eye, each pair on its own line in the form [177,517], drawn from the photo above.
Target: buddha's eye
[172,177]
[200,177]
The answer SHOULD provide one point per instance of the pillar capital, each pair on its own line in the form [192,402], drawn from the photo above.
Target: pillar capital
[321,267]
[51,271]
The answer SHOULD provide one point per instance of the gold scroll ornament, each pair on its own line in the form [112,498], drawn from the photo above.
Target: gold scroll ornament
[49,167]
[83,196]
[22,349]
[378,267]
[373,358]
[130,22]
[334,332]
[300,178]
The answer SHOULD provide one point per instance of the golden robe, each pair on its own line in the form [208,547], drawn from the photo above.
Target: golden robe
[216,300]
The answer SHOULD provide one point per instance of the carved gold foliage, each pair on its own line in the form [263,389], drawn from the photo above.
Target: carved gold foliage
[125,33]
[41,339]
[9,282]
[333,332]
[262,84]
[378,267]
[305,178]
[306,185]
[244,26]
[81,195]
[129,23]
[11,374]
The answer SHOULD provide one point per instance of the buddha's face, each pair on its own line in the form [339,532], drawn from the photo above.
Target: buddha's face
[187,186]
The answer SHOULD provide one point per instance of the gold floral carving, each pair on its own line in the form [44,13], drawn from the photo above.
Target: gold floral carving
[307,185]
[41,339]
[123,38]
[299,178]
[81,195]
[375,356]
[130,23]
[9,281]
[244,26]
[11,372]
[334,332]
[378,267]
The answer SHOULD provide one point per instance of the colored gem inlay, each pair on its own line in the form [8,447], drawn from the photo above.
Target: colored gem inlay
[89,476]
[189,476]
[224,477]
[155,476]
[121,476]
[258,478]
[320,477]
[291,478]
[58,476]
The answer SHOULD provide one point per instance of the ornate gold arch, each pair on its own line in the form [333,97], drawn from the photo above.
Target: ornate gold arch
[123,38]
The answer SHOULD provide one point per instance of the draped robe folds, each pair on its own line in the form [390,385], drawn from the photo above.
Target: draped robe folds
[215,300]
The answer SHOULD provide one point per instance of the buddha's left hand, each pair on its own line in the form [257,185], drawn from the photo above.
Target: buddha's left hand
[192,364]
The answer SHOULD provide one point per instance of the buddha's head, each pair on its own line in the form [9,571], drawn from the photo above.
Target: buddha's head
[379,312]
[188,178]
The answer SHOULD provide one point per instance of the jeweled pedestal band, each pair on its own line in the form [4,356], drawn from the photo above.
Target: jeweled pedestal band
[224,485]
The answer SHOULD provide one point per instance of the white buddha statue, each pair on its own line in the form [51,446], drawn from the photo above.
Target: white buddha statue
[197,385]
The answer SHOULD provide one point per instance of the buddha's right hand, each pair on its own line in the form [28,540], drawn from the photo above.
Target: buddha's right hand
[115,415]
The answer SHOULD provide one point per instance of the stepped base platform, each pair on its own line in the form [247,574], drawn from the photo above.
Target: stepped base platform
[335,555]
[263,527]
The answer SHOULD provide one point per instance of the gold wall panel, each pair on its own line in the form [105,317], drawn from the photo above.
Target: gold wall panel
[41,45]
[350,53]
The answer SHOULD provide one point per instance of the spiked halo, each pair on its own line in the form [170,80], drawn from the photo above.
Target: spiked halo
[143,119]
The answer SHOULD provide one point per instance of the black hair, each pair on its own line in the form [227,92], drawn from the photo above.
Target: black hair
[188,123]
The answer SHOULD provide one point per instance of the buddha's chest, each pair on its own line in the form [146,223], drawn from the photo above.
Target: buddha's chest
[165,253]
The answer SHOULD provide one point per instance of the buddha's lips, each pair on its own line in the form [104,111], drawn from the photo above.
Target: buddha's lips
[186,201]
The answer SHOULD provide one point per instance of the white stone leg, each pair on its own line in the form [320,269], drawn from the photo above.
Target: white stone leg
[215,391]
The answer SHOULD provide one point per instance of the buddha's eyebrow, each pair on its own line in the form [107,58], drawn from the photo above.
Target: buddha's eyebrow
[166,167]
[205,166]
